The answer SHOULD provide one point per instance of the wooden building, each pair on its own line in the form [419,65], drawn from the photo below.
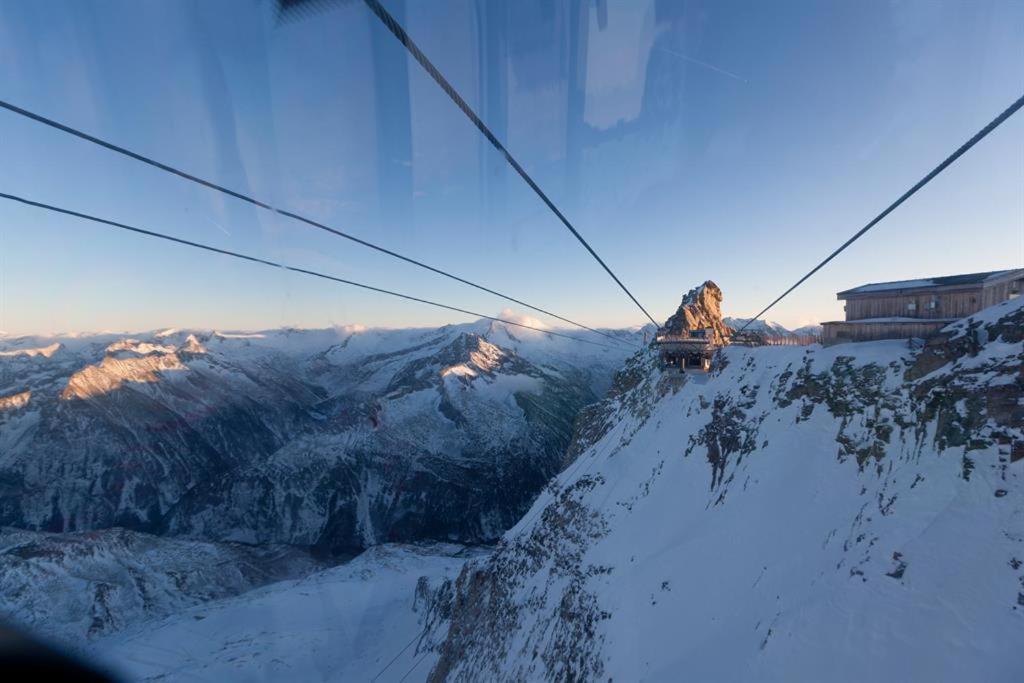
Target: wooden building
[918,308]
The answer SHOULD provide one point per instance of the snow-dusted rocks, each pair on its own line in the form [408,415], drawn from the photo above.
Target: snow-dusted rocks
[78,587]
[846,513]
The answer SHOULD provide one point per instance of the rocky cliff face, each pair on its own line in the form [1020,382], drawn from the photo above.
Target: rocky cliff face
[339,439]
[845,513]
[701,308]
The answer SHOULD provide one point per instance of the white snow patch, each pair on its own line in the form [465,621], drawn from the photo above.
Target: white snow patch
[348,623]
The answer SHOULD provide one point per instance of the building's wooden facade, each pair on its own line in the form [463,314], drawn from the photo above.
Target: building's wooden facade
[840,332]
[918,308]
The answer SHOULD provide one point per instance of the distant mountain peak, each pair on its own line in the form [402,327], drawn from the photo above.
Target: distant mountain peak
[192,345]
[134,346]
[112,372]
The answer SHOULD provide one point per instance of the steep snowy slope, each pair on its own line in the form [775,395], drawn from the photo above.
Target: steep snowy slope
[349,623]
[337,438]
[845,513]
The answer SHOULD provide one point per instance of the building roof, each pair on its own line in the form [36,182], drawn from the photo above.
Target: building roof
[927,283]
[891,320]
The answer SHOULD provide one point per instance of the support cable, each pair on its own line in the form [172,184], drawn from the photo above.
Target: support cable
[274,264]
[403,37]
[978,137]
[289,214]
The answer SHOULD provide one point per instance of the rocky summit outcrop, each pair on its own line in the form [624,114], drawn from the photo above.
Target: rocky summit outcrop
[700,309]
[853,513]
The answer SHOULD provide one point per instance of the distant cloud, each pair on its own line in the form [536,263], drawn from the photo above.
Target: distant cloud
[512,316]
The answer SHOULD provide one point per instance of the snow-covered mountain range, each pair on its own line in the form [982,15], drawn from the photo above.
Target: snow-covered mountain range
[773,329]
[337,439]
[851,513]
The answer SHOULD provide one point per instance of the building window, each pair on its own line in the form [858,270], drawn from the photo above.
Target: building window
[912,307]
[933,304]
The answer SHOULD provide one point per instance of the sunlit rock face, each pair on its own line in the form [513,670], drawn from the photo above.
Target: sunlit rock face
[113,371]
[337,439]
[853,513]
[15,401]
[700,309]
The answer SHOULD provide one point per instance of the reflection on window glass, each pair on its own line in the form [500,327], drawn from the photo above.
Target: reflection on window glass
[476,340]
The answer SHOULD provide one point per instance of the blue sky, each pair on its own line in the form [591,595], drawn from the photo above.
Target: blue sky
[732,141]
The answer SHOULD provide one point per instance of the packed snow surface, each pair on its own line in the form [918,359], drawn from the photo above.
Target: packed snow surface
[349,623]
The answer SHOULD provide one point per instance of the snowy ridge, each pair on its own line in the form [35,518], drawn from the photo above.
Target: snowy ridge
[44,351]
